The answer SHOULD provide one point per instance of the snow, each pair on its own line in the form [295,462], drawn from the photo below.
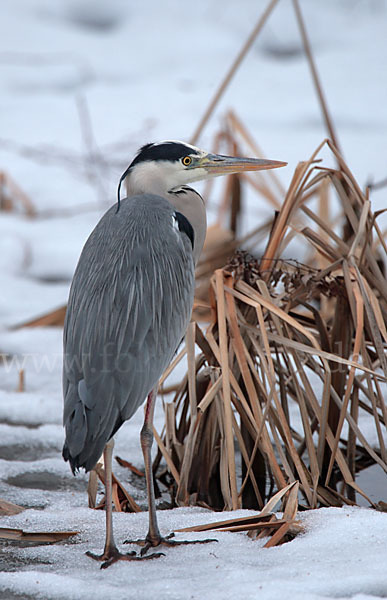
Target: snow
[83,84]
[235,562]
[340,555]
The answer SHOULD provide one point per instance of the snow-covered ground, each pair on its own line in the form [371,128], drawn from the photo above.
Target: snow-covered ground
[341,555]
[82,85]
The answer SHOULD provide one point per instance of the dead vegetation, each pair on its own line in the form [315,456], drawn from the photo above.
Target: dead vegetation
[265,524]
[19,536]
[13,198]
[292,363]
[293,358]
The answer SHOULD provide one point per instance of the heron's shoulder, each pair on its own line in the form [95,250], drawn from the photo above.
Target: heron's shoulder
[143,220]
[147,216]
[146,204]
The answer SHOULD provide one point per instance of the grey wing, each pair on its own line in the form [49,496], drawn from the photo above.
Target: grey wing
[129,306]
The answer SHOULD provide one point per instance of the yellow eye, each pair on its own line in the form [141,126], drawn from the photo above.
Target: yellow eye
[186,161]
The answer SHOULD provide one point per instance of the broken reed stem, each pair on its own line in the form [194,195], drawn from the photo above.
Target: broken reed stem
[289,206]
[21,384]
[232,70]
[315,77]
[219,280]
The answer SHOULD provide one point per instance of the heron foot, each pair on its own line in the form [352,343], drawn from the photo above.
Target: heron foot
[113,555]
[164,541]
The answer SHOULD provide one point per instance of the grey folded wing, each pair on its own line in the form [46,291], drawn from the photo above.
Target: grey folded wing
[129,306]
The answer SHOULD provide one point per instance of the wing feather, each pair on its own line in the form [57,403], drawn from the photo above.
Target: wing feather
[129,306]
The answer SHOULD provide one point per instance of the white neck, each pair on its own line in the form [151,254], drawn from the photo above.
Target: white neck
[191,205]
[150,178]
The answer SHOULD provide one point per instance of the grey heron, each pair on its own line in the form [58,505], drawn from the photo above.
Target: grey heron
[129,306]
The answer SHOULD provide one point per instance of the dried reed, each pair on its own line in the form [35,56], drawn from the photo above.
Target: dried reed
[292,358]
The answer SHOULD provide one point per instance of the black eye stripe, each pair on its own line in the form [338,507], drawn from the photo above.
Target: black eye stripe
[168,151]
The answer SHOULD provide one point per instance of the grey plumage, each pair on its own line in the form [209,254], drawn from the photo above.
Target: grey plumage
[130,303]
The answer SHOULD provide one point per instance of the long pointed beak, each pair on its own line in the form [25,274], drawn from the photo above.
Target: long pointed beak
[218,164]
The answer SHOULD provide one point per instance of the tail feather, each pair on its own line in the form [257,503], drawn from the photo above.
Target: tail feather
[86,433]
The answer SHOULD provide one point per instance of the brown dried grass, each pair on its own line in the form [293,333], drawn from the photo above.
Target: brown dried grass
[292,353]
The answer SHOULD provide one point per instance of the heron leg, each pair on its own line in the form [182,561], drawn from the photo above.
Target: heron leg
[111,553]
[154,538]
[146,437]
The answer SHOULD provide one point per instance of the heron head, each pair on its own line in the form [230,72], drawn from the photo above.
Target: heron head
[167,165]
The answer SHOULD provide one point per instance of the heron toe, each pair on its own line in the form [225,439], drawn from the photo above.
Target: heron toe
[110,557]
[148,543]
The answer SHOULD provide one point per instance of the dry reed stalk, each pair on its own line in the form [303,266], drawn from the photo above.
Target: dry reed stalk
[9,508]
[123,501]
[21,385]
[316,80]
[285,376]
[11,195]
[49,537]
[232,70]
[265,523]
[54,318]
